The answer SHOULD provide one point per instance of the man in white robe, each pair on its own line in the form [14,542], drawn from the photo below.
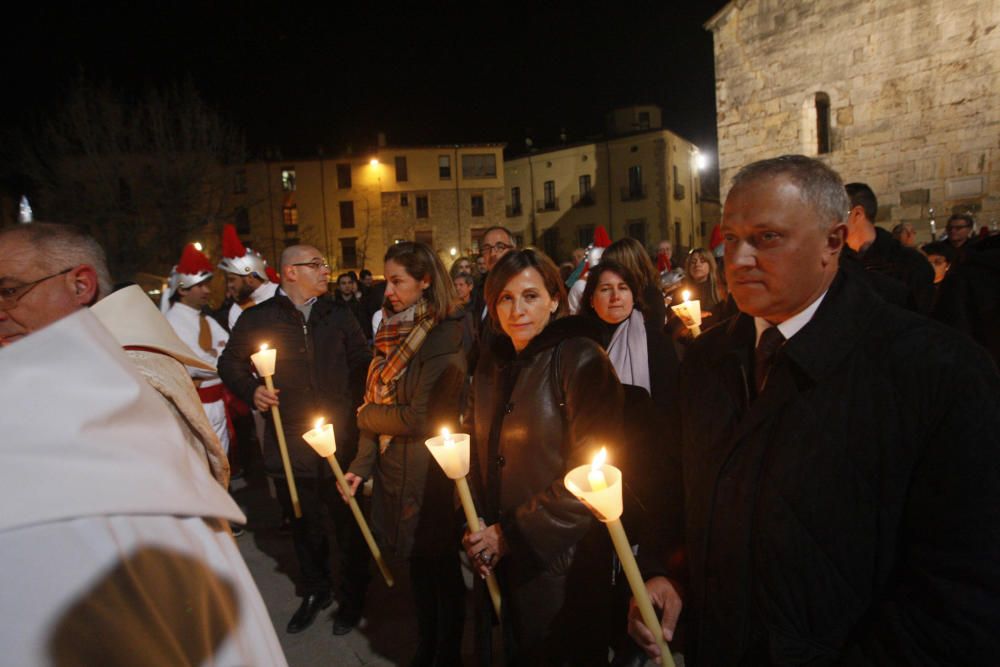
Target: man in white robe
[113,543]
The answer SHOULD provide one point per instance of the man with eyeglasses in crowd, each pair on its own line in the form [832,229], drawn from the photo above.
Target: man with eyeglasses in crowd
[959,228]
[322,360]
[495,243]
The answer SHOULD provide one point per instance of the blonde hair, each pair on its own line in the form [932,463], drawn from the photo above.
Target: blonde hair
[718,289]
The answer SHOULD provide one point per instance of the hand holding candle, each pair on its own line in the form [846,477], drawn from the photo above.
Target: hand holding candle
[321,438]
[599,487]
[264,361]
[452,454]
[690,313]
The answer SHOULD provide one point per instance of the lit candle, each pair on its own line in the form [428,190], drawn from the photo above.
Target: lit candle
[322,439]
[452,454]
[690,313]
[605,501]
[264,361]
[596,474]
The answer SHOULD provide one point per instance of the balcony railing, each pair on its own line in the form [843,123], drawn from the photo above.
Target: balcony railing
[634,192]
[543,205]
[514,211]
[678,191]
[587,199]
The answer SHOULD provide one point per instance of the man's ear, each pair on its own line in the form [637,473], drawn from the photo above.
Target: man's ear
[84,285]
[836,238]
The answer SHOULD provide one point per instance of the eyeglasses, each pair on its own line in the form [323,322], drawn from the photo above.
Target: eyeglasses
[315,265]
[496,247]
[9,296]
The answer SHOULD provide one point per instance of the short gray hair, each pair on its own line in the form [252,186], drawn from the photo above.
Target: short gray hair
[821,186]
[64,246]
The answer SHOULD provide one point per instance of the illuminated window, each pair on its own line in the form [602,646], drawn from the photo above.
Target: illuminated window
[478,207]
[444,167]
[290,214]
[288,179]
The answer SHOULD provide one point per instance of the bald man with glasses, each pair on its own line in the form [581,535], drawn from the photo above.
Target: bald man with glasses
[321,366]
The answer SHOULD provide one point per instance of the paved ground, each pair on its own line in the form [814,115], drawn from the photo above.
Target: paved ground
[387,634]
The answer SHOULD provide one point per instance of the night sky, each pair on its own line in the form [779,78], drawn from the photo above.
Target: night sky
[296,77]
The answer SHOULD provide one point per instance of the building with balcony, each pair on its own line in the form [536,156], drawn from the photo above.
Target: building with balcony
[352,207]
[639,181]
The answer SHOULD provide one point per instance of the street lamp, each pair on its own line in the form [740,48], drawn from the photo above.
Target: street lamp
[373,162]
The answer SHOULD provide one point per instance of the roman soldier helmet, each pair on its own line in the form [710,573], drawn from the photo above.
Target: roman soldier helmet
[238,259]
[193,268]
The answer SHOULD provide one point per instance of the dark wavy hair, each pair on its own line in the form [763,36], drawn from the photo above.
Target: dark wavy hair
[513,263]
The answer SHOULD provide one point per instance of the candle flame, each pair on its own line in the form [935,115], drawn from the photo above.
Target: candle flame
[263,347]
[446,434]
[319,423]
[599,459]
[686,295]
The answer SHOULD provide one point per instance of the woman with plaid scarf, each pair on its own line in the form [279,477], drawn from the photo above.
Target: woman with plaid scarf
[414,387]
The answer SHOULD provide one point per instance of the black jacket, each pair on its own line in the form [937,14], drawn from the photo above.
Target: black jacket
[850,514]
[898,274]
[538,414]
[320,370]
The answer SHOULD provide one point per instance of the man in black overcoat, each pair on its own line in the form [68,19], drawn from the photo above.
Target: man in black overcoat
[839,459]
[322,360]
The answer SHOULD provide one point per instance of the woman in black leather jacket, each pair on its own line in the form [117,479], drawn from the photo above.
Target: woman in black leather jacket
[546,399]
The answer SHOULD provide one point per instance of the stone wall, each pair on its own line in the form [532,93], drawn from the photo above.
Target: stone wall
[913,89]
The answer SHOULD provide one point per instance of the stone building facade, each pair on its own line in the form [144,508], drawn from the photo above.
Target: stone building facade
[640,181]
[352,207]
[901,94]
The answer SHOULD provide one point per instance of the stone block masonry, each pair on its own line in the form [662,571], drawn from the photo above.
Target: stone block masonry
[912,86]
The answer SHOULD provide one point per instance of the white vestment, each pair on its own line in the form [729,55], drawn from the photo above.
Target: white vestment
[113,543]
[186,322]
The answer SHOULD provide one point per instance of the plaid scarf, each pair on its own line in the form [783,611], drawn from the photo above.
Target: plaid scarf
[398,339]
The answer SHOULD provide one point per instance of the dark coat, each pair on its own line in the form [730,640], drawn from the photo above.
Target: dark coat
[850,514]
[320,372]
[412,506]
[898,274]
[970,295]
[537,415]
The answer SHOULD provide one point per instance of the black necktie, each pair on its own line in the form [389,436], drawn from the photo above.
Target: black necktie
[769,343]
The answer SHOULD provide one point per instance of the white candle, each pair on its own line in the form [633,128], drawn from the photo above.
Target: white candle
[452,454]
[322,439]
[264,360]
[606,504]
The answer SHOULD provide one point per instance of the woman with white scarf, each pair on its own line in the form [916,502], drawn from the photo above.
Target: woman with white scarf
[646,363]
[639,351]
[414,388]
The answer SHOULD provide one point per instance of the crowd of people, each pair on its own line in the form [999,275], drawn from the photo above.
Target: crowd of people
[813,477]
